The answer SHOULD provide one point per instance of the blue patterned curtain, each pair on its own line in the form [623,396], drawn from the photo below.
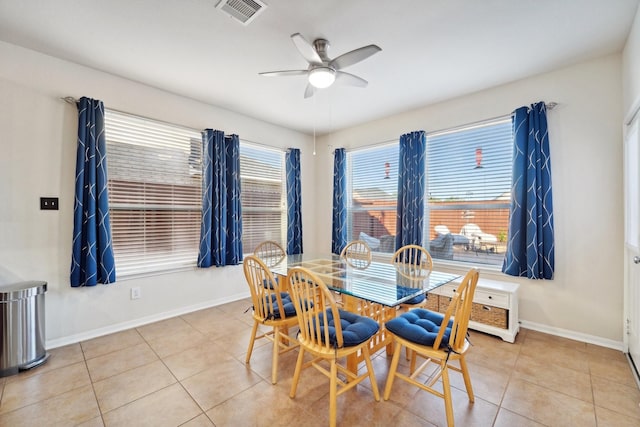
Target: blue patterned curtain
[221,228]
[294,202]
[530,248]
[92,253]
[339,230]
[411,188]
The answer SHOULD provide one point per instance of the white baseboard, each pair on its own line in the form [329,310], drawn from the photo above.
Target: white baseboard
[72,339]
[577,336]
[95,333]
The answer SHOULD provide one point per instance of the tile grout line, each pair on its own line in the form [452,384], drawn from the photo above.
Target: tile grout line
[506,387]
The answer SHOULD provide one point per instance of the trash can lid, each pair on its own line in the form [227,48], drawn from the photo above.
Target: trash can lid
[22,290]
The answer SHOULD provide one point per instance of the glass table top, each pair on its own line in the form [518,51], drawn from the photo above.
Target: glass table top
[378,282]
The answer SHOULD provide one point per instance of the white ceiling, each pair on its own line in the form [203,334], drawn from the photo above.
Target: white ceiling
[431,49]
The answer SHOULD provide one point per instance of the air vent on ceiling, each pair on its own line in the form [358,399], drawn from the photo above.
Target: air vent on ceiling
[243,11]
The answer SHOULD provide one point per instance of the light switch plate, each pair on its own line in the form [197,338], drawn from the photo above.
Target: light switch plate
[48,203]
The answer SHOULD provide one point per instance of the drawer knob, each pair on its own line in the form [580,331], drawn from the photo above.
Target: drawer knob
[490,297]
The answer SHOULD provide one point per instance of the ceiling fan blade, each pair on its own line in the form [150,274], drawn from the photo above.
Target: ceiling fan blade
[306,49]
[309,91]
[284,73]
[350,79]
[353,57]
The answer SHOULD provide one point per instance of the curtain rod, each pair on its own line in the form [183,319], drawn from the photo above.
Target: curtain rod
[550,106]
[261,144]
[372,145]
[73,101]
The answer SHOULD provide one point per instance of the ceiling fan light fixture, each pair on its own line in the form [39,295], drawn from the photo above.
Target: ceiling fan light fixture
[322,77]
[322,70]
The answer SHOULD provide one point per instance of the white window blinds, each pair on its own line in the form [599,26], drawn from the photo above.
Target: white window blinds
[467,193]
[154,193]
[264,215]
[468,187]
[372,182]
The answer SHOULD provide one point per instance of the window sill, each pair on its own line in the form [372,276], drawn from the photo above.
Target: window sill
[447,265]
[463,267]
[134,276]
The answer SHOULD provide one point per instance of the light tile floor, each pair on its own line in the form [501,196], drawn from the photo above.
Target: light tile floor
[190,371]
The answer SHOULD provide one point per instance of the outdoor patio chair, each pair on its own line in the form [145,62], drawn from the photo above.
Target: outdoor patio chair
[479,239]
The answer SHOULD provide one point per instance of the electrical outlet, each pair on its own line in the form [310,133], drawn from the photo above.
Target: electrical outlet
[135,293]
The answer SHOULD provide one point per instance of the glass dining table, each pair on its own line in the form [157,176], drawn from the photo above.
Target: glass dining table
[373,289]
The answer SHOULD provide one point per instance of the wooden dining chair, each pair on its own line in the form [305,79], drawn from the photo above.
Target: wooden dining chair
[271,308]
[270,252]
[412,263]
[329,334]
[439,339]
[357,254]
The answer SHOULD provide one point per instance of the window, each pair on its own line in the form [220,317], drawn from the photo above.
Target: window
[264,214]
[155,194]
[372,186]
[468,190]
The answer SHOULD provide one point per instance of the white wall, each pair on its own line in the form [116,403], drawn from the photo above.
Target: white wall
[631,68]
[585,299]
[38,139]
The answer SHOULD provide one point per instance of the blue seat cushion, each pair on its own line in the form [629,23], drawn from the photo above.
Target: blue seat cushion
[267,283]
[355,329]
[289,308]
[403,291]
[420,326]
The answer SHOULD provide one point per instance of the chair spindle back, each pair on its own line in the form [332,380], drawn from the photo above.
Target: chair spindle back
[265,291]
[312,299]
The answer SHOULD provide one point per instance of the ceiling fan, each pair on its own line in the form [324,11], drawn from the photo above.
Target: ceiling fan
[322,70]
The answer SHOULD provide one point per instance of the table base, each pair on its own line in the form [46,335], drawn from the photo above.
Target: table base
[378,312]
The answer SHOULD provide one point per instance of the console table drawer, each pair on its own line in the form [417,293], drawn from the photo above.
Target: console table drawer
[482,313]
[494,309]
[489,315]
[446,290]
[433,303]
[483,296]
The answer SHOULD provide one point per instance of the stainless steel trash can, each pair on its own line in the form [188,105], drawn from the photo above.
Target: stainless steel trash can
[22,327]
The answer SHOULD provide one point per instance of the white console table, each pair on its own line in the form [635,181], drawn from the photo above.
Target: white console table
[495,306]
